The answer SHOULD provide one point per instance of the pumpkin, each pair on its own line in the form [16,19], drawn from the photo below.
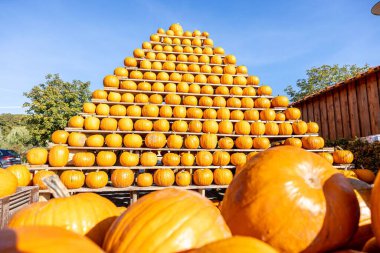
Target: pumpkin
[206,226]
[209,141]
[76,122]
[237,115]
[102,109]
[261,143]
[365,175]
[174,141]
[144,86]
[313,181]
[166,111]
[114,140]
[230,59]
[280,101]
[225,127]
[226,143]
[76,139]
[195,126]
[264,90]
[155,140]
[106,158]
[125,124]
[251,154]
[253,80]
[148,159]
[343,156]
[9,183]
[234,102]
[129,159]
[222,176]
[251,115]
[132,141]
[244,142]
[138,53]
[91,123]
[210,126]
[179,126]
[161,125]
[268,114]
[37,156]
[157,66]
[118,110]
[95,140]
[195,88]
[171,159]
[113,97]
[158,87]
[187,159]
[143,125]
[179,112]
[183,178]
[209,114]
[99,94]
[280,117]
[192,67]
[203,177]
[328,157]
[192,142]
[122,178]
[204,158]
[223,113]
[262,103]
[285,128]
[109,124]
[312,127]
[75,214]
[83,159]
[89,107]
[371,246]
[59,137]
[47,239]
[41,174]
[130,62]
[220,158]
[249,91]
[247,103]
[207,89]
[195,113]
[164,177]
[58,156]
[144,180]
[72,179]
[296,142]
[225,79]
[128,85]
[271,128]
[313,142]
[292,113]
[238,159]
[96,179]
[242,127]
[257,128]
[299,127]
[163,76]
[134,110]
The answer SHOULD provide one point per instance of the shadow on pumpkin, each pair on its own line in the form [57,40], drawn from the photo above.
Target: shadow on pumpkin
[98,232]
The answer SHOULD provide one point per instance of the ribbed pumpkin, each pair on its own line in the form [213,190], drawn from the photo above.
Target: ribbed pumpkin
[129,159]
[223,113]
[47,239]
[161,125]
[95,140]
[268,114]
[128,85]
[166,111]
[251,115]
[171,159]
[8,184]
[134,110]
[143,125]
[238,159]
[299,127]
[191,142]
[234,102]
[223,176]
[183,178]
[244,142]
[89,107]
[122,178]
[113,140]
[209,141]
[327,156]
[102,109]
[262,103]
[142,98]
[313,180]
[155,140]
[343,156]
[253,80]
[158,87]
[221,158]
[174,141]
[210,126]
[164,177]
[125,124]
[296,142]
[37,156]
[204,158]
[195,113]
[190,100]
[132,141]
[203,177]
[271,128]
[76,122]
[58,156]
[264,90]
[83,159]
[280,116]
[205,227]
[96,179]
[109,124]
[257,128]
[106,158]
[99,94]
[113,97]
[365,175]
[280,101]
[118,110]
[91,123]
[313,142]
[209,114]
[226,143]
[173,99]
[312,127]
[195,126]
[261,143]
[150,111]
[148,159]
[225,127]
[41,174]
[179,126]
[179,112]
[237,115]
[72,179]
[242,127]
[59,137]
[292,113]
[285,128]
[187,159]
[76,139]
[247,103]
[251,155]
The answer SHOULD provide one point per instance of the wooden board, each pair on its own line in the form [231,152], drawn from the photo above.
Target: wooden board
[373,87]
[330,115]
[361,92]
[304,115]
[310,112]
[324,121]
[338,115]
[317,113]
[344,109]
[353,109]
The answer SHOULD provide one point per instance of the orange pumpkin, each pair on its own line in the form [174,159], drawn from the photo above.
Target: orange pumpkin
[109,124]
[343,156]
[59,137]
[226,143]
[148,159]
[72,179]
[91,123]
[280,101]
[37,156]
[296,142]
[221,158]
[171,159]
[204,158]
[187,159]
[237,115]
[83,159]
[225,127]
[238,159]
[8,184]
[327,156]
[299,127]
[96,179]
[129,159]
[244,202]
[144,180]
[223,176]
[77,139]
[285,128]
[164,177]
[41,174]
[106,158]
[132,141]
[209,141]
[113,140]
[312,127]
[261,143]
[292,113]
[257,128]
[268,114]
[95,140]
[122,178]
[155,140]
[365,175]
[58,156]
[183,178]
[251,115]
[205,227]
[192,142]
[244,142]
[242,127]
[174,141]
[203,177]
[264,90]
[195,126]
[179,126]
[210,126]
[76,122]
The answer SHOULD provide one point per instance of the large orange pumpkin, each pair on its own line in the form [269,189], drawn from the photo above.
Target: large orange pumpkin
[158,211]
[22,173]
[58,156]
[37,156]
[46,239]
[8,184]
[311,188]
[375,209]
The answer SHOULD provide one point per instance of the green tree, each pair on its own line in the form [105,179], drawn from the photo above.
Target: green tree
[321,77]
[51,105]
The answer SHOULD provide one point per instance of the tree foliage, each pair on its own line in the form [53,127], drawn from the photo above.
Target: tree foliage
[321,77]
[51,105]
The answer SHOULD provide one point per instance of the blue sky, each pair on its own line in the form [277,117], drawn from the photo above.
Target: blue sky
[86,40]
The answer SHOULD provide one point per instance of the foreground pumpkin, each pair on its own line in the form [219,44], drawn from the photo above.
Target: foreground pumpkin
[375,209]
[84,213]
[8,184]
[181,220]
[238,244]
[22,173]
[44,239]
[259,199]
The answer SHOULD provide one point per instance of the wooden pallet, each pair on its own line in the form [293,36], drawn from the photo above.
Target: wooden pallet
[9,205]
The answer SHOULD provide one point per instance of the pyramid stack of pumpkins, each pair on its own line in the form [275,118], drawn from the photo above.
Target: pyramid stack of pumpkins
[180,112]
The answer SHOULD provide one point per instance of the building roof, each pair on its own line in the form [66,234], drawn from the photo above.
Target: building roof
[338,85]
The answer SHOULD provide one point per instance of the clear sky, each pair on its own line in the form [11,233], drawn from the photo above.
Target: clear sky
[85,40]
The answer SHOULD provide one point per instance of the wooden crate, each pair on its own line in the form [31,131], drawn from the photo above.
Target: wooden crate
[9,205]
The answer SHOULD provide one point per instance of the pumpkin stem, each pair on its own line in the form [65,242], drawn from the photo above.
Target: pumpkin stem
[339,148]
[56,187]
